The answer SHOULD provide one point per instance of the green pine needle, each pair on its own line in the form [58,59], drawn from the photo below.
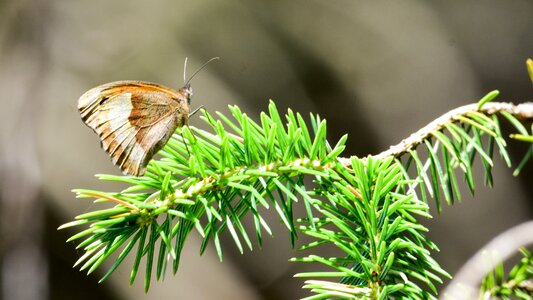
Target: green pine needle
[208,181]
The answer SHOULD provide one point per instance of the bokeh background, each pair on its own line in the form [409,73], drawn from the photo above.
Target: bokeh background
[377,70]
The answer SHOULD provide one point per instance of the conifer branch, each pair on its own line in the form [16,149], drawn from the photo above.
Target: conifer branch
[208,181]
[523,111]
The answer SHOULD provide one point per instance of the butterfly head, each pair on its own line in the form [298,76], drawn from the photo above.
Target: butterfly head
[186,91]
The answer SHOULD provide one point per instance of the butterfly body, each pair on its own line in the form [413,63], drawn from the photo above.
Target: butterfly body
[134,119]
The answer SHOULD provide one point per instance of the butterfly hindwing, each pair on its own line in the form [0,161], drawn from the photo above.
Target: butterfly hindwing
[133,119]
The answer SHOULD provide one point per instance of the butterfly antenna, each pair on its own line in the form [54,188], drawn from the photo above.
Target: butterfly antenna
[200,69]
[185,70]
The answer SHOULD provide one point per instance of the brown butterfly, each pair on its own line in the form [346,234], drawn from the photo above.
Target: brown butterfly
[135,119]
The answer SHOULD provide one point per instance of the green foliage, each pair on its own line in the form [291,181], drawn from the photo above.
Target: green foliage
[456,145]
[225,177]
[373,224]
[368,209]
[518,283]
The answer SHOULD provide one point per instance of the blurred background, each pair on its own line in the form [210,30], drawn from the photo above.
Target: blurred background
[375,70]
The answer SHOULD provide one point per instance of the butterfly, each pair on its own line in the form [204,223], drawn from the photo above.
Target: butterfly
[135,119]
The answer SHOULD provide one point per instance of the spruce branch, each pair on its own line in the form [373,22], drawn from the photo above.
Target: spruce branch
[374,224]
[208,181]
[485,267]
[518,283]
[454,140]
[523,111]
[223,178]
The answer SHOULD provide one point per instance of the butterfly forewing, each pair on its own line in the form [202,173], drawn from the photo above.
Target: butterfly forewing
[133,119]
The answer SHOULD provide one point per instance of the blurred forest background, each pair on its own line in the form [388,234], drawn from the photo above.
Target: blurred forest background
[377,70]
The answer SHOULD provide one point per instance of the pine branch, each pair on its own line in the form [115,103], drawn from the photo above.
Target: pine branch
[452,142]
[522,111]
[487,260]
[367,208]
[518,283]
[383,247]
[208,184]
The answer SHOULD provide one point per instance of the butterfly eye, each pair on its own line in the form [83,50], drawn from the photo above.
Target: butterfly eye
[189,95]
[187,92]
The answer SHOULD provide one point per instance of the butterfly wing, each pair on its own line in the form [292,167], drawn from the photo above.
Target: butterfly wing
[134,120]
